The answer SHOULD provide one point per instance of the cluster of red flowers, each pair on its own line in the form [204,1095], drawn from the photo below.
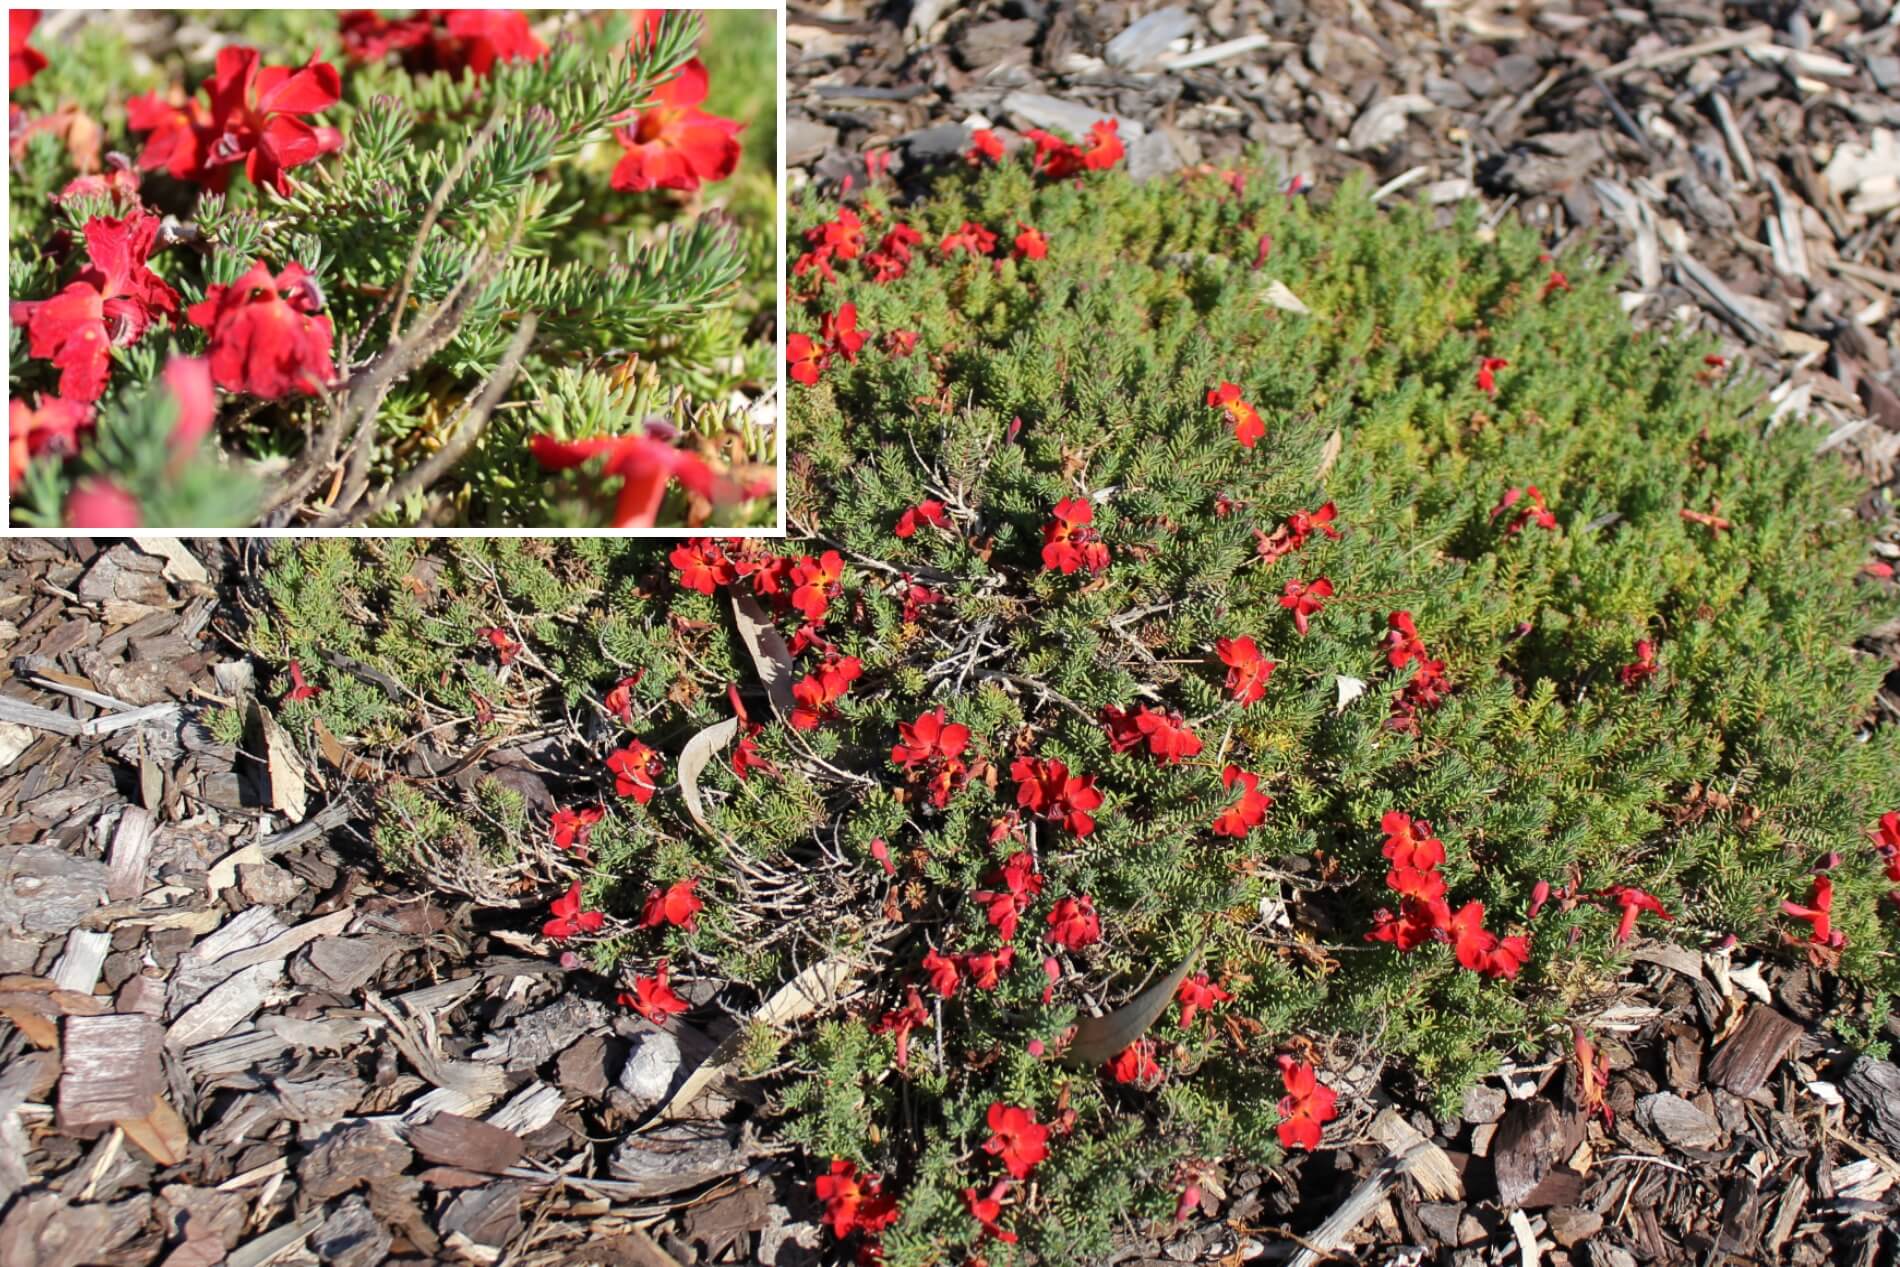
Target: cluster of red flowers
[1044,786]
[1307,1105]
[1246,422]
[854,1202]
[838,335]
[816,695]
[1056,158]
[252,117]
[1424,914]
[111,303]
[930,751]
[1425,689]
[1163,732]
[984,969]
[451,40]
[1533,510]
[1292,534]
[842,239]
[971,238]
[1069,539]
[1016,883]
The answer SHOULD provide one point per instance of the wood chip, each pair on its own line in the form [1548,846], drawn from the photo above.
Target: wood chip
[468,1143]
[1746,1058]
[109,1069]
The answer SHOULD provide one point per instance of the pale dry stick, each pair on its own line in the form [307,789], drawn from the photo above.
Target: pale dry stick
[470,429]
[1689,52]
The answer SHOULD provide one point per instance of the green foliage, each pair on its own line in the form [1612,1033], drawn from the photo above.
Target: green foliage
[499,183]
[1718,785]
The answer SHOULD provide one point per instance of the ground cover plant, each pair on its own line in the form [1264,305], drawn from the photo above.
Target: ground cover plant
[1232,654]
[441,267]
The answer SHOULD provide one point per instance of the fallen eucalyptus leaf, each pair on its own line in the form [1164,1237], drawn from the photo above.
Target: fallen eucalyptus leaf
[1350,689]
[1278,295]
[1099,1039]
[694,758]
[770,656]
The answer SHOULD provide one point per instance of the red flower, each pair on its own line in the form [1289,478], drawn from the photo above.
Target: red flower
[1481,950]
[23,60]
[1018,883]
[506,648]
[571,827]
[839,239]
[1416,923]
[900,1023]
[1886,839]
[268,336]
[891,259]
[569,919]
[188,379]
[854,1202]
[1167,739]
[1534,510]
[1249,811]
[1073,923]
[1070,540]
[1306,1107]
[987,968]
[119,182]
[1409,842]
[103,506]
[1058,159]
[924,512]
[368,36]
[1046,787]
[1292,534]
[676,904]
[635,769]
[478,38]
[653,998]
[176,143]
[807,358]
[1016,1139]
[1030,244]
[1305,598]
[816,695]
[933,748]
[815,582]
[983,144]
[1641,669]
[900,343]
[1198,994]
[703,566]
[619,701]
[1487,374]
[1426,688]
[110,302]
[253,119]
[643,465]
[672,143]
[987,1210]
[1136,1064]
[1246,422]
[1555,282]
[972,237]
[1247,670]
[1634,901]
[942,971]
[841,334]
[50,427]
[299,689]
[1818,914]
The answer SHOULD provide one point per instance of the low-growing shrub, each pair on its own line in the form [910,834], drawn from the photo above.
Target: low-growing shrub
[461,267]
[1158,574]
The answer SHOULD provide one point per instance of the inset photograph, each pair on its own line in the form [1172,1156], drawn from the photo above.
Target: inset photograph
[388,270]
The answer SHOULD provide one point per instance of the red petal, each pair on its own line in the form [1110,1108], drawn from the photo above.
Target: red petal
[316,86]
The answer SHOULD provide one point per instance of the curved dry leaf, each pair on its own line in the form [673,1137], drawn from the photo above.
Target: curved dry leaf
[694,758]
[1329,454]
[1099,1039]
[770,656]
[1277,294]
[816,987]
